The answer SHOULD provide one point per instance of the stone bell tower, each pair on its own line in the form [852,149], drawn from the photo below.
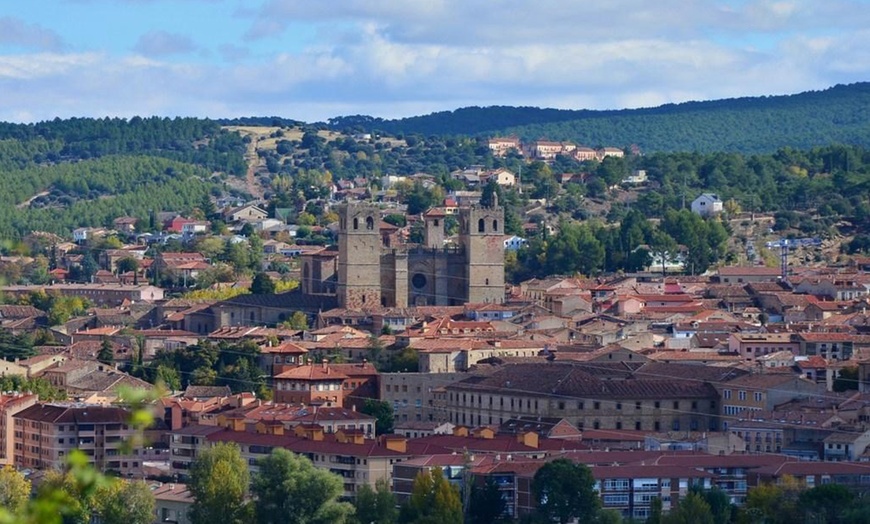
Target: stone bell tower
[482,239]
[359,256]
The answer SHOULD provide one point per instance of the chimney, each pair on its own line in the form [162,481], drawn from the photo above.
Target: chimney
[326,365]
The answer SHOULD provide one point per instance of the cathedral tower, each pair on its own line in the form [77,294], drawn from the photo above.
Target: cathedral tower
[482,239]
[359,256]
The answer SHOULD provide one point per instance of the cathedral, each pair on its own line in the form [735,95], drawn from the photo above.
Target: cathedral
[371,269]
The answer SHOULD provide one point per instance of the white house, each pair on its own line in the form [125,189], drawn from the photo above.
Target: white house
[502,177]
[707,204]
[513,243]
[636,178]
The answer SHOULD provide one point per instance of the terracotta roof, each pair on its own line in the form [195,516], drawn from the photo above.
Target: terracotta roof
[313,372]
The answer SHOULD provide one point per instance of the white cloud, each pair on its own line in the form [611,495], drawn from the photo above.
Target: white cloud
[164,43]
[396,58]
[17,32]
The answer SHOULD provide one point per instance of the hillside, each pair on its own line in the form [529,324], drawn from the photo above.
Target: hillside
[63,174]
[840,114]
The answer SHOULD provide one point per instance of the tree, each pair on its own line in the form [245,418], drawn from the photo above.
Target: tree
[77,501]
[377,506]
[847,379]
[777,503]
[289,489]
[655,511]
[383,413]
[219,484]
[262,285]
[719,502]
[14,489]
[106,354]
[487,504]
[563,491]
[692,509]
[168,376]
[127,265]
[298,320]
[827,503]
[434,500]
[664,248]
[123,502]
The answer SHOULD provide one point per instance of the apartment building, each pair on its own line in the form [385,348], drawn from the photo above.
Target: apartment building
[10,405]
[45,434]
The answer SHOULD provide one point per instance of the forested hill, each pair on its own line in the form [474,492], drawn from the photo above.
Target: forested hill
[62,174]
[840,114]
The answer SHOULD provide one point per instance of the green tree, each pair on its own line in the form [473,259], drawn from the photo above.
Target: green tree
[125,502]
[289,489]
[655,511]
[692,509]
[434,500]
[847,379]
[383,413]
[776,503]
[664,248]
[14,489]
[563,491]
[826,503]
[127,265]
[262,285]
[298,320]
[106,354]
[219,484]
[168,376]
[77,498]
[719,502]
[487,504]
[376,506]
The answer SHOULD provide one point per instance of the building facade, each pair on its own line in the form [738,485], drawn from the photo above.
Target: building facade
[372,272]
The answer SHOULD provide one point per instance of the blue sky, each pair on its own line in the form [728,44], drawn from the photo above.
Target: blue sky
[312,60]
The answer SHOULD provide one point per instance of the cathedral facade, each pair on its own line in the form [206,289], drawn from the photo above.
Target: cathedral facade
[369,271]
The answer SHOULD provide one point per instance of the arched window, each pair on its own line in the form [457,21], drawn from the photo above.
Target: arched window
[487,281]
[355,223]
[370,223]
[480,226]
[495,225]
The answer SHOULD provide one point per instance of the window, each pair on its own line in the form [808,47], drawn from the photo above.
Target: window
[637,405]
[580,405]
[480,226]
[657,404]
[495,226]
[356,223]
[676,404]
[741,395]
[726,394]
[619,405]
[596,405]
[370,223]
[758,396]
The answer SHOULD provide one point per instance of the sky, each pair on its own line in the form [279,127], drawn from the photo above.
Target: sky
[315,59]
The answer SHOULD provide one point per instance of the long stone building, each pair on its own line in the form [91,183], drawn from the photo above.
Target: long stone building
[636,396]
